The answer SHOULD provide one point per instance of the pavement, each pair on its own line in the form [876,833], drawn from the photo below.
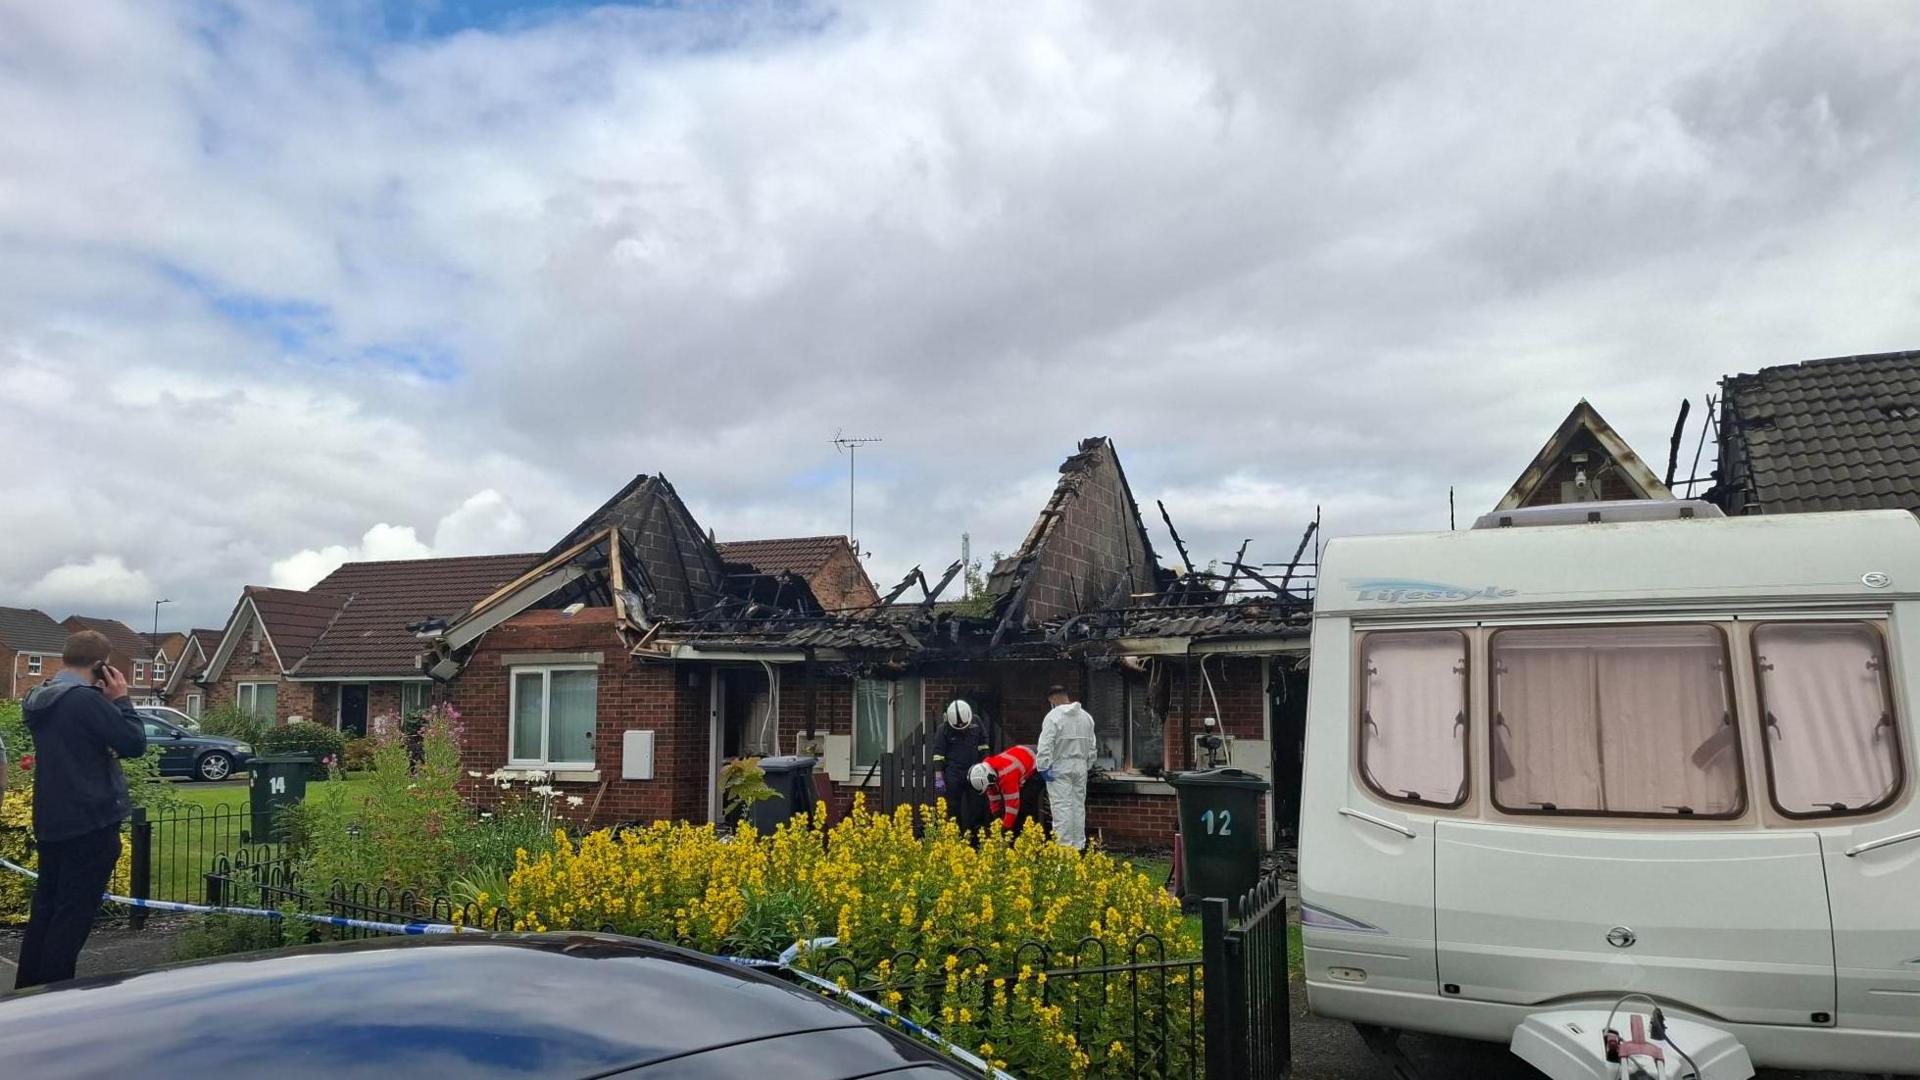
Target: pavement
[113,946]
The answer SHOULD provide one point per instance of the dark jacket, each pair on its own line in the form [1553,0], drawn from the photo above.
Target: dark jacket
[78,737]
[958,749]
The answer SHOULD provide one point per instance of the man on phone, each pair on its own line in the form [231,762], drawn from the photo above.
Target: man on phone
[82,724]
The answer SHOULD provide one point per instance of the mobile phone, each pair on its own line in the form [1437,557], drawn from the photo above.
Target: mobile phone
[100,671]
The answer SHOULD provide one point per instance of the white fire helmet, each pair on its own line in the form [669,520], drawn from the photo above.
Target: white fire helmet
[959,714]
[980,776]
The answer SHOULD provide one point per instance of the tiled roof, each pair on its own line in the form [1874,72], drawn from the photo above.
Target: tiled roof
[1836,434]
[369,635]
[31,629]
[126,641]
[797,554]
[208,640]
[294,620]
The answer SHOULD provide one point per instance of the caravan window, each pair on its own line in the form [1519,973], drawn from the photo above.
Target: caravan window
[1832,747]
[1413,715]
[1634,720]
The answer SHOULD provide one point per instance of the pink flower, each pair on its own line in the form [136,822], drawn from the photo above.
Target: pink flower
[26,762]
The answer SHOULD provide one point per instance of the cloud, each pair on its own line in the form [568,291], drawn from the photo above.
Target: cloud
[103,581]
[294,270]
[485,524]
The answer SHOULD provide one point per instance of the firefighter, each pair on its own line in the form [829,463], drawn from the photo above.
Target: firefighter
[1001,777]
[958,746]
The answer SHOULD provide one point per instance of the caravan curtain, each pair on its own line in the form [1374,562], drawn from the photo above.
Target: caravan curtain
[1413,720]
[1614,719]
[1831,740]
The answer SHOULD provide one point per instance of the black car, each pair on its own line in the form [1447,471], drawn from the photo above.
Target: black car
[472,1005]
[191,754]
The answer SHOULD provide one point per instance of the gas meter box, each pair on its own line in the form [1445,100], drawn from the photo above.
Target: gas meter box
[276,782]
[1220,830]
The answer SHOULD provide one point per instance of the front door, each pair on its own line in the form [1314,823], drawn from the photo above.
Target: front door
[353,709]
[1287,710]
[1732,923]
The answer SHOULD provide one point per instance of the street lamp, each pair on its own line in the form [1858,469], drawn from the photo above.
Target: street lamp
[156,618]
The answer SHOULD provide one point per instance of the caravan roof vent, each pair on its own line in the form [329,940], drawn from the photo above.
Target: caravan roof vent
[1593,513]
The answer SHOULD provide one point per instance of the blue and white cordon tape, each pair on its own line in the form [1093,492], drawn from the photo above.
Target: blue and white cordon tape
[785,963]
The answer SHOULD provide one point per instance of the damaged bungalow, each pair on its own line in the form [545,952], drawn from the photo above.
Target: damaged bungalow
[636,657]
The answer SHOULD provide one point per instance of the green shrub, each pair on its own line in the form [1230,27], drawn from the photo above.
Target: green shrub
[223,935]
[319,742]
[231,722]
[358,755]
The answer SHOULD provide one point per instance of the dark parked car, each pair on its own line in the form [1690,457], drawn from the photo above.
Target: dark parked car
[480,1005]
[191,754]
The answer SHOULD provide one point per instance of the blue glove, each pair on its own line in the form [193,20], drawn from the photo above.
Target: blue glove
[939,783]
[1047,775]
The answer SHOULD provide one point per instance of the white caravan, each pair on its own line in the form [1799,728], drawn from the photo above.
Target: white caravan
[1547,766]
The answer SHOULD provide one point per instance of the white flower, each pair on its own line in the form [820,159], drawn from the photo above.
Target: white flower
[537,774]
[545,790]
[575,800]
[476,775]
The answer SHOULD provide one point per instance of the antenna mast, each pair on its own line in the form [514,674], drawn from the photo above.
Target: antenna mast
[851,444]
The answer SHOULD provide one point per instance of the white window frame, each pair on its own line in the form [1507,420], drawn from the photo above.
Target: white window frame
[425,690]
[545,671]
[247,697]
[139,671]
[159,669]
[194,704]
[33,664]
[893,718]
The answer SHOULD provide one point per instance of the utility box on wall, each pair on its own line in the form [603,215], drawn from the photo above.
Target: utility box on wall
[636,755]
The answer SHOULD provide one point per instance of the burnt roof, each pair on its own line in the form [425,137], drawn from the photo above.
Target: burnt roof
[31,629]
[803,555]
[126,640]
[670,562]
[294,619]
[369,635]
[1836,434]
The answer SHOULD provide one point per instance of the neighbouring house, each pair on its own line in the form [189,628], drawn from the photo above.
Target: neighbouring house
[1835,434]
[340,653]
[132,654]
[634,659]
[1584,460]
[186,655]
[30,645]
[828,563]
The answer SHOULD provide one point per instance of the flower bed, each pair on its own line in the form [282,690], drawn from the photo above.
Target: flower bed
[956,936]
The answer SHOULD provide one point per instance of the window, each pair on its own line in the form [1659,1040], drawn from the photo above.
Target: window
[33,663]
[139,671]
[193,706]
[260,700]
[882,710]
[1831,743]
[1132,738]
[553,712]
[1627,720]
[159,730]
[160,669]
[1413,715]
[413,697]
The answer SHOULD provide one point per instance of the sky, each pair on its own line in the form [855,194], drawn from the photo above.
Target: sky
[287,284]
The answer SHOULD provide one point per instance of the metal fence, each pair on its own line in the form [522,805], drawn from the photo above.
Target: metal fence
[1249,1007]
[276,883]
[171,851]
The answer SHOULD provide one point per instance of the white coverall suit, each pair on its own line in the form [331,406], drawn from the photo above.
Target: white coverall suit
[1067,746]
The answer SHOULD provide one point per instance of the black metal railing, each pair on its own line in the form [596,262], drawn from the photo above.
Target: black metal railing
[276,883]
[1249,1009]
[171,851]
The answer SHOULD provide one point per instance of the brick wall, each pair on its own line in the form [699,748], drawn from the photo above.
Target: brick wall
[842,582]
[247,665]
[632,695]
[1094,546]
[19,680]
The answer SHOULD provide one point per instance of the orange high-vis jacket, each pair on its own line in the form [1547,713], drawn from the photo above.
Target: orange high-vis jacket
[1011,767]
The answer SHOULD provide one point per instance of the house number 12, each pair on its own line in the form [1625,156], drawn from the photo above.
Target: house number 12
[1226,823]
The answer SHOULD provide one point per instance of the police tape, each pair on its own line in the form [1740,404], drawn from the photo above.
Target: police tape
[784,964]
[341,921]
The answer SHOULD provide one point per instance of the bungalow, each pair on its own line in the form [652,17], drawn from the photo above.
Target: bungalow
[30,646]
[632,660]
[340,652]
[186,655]
[828,563]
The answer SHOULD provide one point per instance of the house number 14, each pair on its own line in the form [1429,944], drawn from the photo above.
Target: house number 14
[1225,821]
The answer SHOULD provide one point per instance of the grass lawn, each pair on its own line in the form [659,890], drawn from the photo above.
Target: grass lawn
[210,822]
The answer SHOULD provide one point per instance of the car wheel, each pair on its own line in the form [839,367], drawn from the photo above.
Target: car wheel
[214,766]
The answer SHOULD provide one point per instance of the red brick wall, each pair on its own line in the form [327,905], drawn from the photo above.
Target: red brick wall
[245,665]
[19,682]
[842,582]
[633,695]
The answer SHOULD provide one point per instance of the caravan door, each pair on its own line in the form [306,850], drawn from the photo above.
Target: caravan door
[1730,924]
